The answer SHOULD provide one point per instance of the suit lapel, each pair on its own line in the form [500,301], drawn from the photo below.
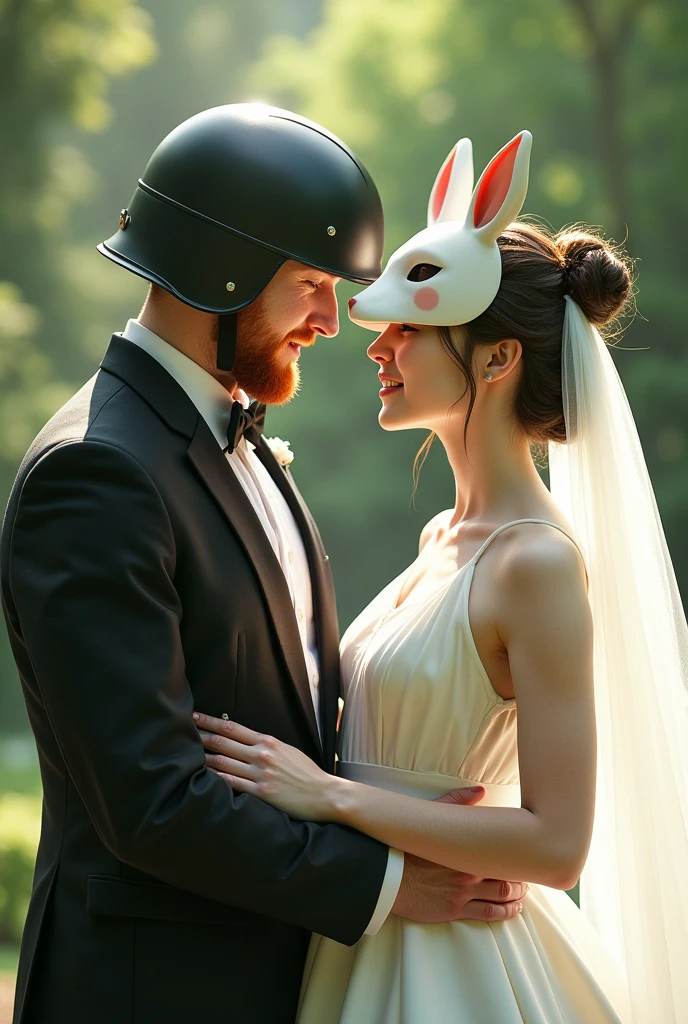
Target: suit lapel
[325,611]
[211,465]
[157,387]
[153,383]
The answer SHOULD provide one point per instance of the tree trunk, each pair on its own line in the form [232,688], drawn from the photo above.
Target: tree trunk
[608,43]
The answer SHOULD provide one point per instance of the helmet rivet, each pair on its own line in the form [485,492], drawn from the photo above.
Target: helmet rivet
[124,219]
[230,286]
[331,230]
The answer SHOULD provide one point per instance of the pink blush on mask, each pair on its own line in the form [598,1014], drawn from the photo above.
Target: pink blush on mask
[426,298]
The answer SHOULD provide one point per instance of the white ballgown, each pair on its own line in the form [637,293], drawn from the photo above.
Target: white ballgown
[421,717]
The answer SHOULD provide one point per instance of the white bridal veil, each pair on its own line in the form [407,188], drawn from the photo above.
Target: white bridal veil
[635,884]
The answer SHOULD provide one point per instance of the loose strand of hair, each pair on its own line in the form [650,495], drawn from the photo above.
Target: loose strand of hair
[419,461]
[463,363]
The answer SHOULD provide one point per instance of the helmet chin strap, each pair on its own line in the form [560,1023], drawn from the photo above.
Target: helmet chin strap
[227,327]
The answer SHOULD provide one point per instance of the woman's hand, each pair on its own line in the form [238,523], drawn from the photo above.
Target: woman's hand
[252,762]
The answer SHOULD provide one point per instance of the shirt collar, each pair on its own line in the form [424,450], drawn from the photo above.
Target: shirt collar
[207,394]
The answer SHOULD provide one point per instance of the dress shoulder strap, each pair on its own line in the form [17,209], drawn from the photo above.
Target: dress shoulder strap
[517,522]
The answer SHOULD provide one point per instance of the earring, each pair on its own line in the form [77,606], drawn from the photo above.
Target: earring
[488,376]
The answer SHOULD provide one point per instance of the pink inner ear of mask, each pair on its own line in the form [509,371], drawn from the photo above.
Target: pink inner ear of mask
[495,185]
[442,186]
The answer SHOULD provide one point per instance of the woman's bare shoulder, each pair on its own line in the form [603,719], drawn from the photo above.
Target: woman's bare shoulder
[539,571]
[536,553]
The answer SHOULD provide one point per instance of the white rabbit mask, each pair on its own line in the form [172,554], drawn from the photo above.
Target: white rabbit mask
[457,252]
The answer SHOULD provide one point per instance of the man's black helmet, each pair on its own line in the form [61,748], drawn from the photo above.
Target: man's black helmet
[232,193]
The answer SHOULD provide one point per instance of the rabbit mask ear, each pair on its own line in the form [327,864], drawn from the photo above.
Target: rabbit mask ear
[501,190]
[451,193]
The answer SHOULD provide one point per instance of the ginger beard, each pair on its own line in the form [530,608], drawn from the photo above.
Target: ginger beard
[264,366]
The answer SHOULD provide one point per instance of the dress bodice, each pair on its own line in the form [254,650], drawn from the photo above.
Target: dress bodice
[417,696]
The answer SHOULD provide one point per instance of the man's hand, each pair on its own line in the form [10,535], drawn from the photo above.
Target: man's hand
[430,893]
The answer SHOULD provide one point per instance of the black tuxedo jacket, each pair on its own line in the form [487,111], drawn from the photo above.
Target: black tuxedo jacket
[138,584]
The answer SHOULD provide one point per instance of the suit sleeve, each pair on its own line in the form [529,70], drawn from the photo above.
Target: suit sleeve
[92,565]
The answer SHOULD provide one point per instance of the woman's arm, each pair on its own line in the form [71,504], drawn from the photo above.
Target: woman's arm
[543,619]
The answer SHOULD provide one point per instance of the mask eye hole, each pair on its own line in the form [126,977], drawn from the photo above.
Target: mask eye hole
[422,272]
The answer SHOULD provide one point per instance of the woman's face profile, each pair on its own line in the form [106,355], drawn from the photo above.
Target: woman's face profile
[428,381]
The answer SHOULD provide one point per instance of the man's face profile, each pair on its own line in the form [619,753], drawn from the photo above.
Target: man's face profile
[297,305]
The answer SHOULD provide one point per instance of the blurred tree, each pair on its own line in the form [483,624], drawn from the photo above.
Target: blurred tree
[600,85]
[607,29]
[56,61]
[57,58]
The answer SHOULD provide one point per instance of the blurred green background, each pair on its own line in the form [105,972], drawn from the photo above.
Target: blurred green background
[89,87]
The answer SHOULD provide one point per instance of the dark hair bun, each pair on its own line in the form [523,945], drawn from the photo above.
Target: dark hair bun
[597,278]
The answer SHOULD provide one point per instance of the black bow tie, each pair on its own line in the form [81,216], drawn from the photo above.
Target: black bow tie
[244,423]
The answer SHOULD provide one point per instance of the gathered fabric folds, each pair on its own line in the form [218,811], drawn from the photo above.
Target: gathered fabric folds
[633,886]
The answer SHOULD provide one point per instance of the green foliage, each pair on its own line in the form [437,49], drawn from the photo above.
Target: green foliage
[19,771]
[601,86]
[57,58]
[56,61]
[19,831]
[9,959]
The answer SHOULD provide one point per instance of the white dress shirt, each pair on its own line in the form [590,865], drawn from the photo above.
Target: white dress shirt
[215,406]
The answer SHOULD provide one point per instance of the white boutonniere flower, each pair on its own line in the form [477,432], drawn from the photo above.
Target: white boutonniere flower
[280,449]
